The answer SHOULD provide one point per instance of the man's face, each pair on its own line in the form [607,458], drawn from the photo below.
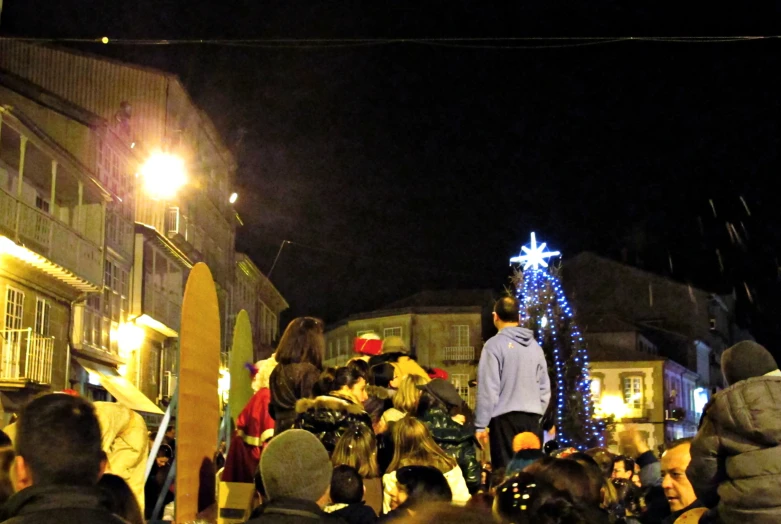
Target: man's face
[620,472]
[171,433]
[676,485]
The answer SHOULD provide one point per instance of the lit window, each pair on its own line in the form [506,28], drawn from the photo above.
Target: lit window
[391,332]
[633,392]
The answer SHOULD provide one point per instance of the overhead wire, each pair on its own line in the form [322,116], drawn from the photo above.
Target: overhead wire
[499,43]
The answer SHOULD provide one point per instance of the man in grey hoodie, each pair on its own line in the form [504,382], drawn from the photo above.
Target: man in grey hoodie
[513,389]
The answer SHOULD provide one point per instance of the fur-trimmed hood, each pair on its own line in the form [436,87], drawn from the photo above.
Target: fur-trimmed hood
[330,402]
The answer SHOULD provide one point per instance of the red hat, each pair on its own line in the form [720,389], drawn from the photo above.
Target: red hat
[367,346]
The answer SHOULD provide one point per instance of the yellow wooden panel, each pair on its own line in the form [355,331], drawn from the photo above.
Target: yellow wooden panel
[241,353]
[198,414]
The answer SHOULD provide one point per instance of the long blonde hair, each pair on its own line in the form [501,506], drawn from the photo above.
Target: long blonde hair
[407,396]
[414,446]
[357,448]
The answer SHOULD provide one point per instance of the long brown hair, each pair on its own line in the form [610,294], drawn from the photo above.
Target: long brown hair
[302,341]
[357,448]
[414,446]
[407,397]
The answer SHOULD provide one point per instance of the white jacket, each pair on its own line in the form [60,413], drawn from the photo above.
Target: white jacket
[454,477]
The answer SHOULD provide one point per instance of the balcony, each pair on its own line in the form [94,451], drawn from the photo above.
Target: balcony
[458,354]
[26,356]
[52,239]
[163,305]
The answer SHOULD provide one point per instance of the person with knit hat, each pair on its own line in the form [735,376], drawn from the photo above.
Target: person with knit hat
[735,466]
[296,472]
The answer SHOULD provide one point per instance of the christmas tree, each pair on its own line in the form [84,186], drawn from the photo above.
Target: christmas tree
[545,311]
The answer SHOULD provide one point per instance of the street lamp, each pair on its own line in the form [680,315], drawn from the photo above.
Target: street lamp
[163,175]
[233,198]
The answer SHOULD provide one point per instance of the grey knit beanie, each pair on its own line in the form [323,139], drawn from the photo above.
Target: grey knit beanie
[744,360]
[295,464]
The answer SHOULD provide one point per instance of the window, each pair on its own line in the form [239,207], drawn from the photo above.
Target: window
[43,309]
[268,323]
[391,332]
[633,392]
[14,308]
[114,173]
[41,203]
[104,313]
[596,388]
[461,383]
[460,335]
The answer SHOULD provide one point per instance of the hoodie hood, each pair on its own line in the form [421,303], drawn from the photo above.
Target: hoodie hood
[518,334]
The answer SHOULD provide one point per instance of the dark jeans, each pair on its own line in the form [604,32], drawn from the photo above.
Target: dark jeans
[503,429]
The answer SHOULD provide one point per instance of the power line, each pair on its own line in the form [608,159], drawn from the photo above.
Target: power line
[498,43]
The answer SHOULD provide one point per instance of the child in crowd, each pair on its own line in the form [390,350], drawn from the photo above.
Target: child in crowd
[358,448]
[417,487]
[735,464]
[347,497]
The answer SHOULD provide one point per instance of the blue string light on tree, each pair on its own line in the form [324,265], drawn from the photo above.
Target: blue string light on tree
[544,309]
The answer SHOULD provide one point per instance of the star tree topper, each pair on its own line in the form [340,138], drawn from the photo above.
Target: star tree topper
[535,256]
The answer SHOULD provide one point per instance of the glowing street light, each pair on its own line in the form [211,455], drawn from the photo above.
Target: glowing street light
[233,198]
[163,174]
[130,338]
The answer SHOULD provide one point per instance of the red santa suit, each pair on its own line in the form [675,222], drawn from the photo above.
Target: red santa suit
[254,427]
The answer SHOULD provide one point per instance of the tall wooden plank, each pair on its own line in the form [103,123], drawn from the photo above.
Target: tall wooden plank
[241,353]
[198,416]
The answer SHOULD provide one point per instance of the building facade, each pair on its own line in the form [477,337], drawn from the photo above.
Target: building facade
[632,384]
[52,214]
[443,329]
[655,344]
[94,263]
[254,293]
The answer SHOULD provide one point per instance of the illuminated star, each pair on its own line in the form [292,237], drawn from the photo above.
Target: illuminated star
[535,256]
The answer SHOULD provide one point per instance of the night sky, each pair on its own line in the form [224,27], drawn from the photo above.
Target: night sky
[397,168]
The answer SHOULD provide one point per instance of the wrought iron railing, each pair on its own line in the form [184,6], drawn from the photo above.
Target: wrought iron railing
[26,355]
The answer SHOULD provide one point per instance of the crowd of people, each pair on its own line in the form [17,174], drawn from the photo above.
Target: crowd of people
[383,439]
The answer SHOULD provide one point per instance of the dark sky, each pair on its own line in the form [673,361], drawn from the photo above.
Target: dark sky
[413,166]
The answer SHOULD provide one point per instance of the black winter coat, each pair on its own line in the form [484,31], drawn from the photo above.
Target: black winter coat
[457,440]
[358,513]
[61,504]
[329,416]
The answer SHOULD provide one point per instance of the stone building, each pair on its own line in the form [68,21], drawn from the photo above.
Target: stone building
[443,329]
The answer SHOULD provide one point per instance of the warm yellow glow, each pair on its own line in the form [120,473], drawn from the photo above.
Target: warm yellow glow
[611,406]
[122,370]
[164,175]
[224,384]
[233,198]
[130,338]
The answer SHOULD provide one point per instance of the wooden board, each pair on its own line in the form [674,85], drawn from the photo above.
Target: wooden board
[241,353]
[198,416]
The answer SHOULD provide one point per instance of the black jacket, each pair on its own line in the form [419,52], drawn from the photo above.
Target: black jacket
[292,511]
[329,416]
[60,504]
[358,513]
[457,440]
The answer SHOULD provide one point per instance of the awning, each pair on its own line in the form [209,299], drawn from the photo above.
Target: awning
[120,388]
